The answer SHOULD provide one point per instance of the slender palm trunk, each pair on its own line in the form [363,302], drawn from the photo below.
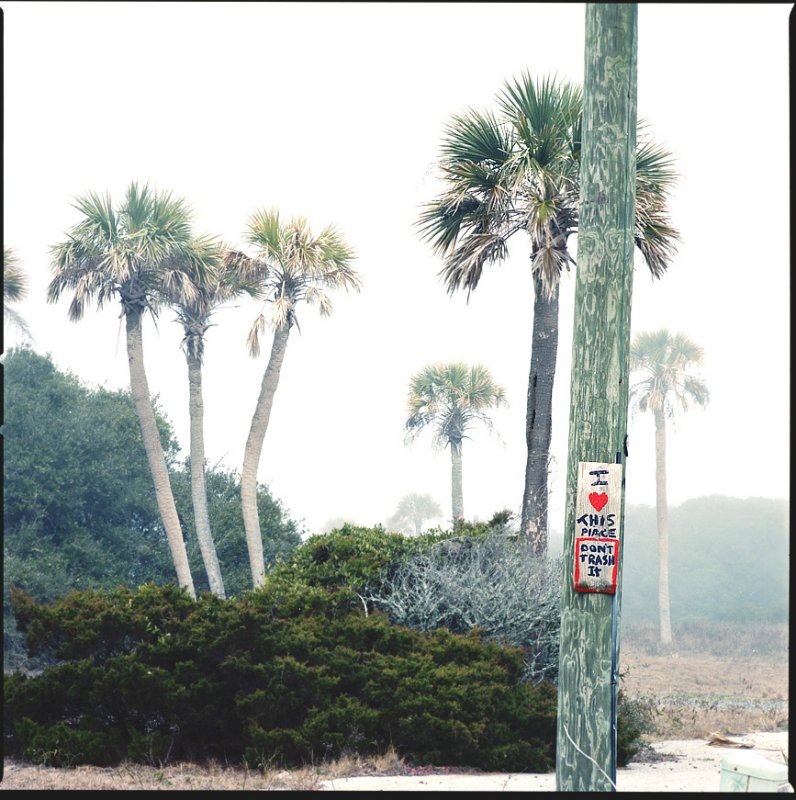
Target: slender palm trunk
[198,489]
[539,417]
[456,482]
[139,388]
[251,457]
[663,528]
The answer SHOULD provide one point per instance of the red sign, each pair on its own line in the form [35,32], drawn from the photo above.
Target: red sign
[596,563]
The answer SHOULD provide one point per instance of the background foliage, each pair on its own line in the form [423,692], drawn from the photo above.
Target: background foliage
[728,561]
[79,507]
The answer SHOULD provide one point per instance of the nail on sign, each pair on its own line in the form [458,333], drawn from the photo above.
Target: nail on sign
[597,509]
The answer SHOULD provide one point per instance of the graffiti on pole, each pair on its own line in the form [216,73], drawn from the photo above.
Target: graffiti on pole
[597,535]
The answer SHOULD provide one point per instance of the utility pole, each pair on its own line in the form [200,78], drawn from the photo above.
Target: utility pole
[589,655]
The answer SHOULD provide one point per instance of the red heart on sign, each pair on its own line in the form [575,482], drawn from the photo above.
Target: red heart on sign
[598,500]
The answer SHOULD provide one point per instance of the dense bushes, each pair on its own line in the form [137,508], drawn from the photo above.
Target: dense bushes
[283,675]
[351,556]
[301,670]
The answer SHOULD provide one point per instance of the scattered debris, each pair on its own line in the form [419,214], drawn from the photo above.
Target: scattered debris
[717,740]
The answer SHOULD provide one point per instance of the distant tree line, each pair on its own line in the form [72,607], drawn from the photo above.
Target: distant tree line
[728,561]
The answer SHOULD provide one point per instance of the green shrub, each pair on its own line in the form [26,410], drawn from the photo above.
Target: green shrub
[285,675]
[63,745]
[351,556]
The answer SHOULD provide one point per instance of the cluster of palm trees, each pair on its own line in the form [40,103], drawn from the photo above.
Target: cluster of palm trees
[511,170]
[144,254]
[518,169]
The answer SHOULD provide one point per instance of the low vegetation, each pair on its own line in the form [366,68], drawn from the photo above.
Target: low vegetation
[282,676]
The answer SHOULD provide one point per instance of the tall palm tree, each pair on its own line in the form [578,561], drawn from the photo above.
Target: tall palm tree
[663,362]
[15,289]
[518,170]
[291,265]
[132,254]
[452,398]
[194,311]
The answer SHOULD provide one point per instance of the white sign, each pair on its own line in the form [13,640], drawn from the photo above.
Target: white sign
[598,503]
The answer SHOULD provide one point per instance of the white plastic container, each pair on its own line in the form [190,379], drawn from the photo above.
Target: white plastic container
[751,772]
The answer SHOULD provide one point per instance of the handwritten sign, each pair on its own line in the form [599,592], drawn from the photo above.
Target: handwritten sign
[598,504]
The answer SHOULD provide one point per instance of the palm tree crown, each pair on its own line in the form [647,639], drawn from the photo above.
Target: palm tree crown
[452,398]
[412,511]
[293,265]
[133,254]
[665,361]
[217,274]
[520,171]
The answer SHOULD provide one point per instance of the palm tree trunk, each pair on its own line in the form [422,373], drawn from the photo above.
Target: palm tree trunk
[198,489]
[456,482]
[139,388]
[539,417]
[663,528]
[251,457]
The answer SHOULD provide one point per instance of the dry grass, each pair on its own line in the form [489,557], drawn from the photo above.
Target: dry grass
[722,679]
[194,776]
[729,681]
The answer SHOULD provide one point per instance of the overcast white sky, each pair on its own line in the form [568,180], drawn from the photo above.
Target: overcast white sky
[335,111]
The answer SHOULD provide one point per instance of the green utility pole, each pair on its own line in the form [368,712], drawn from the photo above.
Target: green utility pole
[588,662]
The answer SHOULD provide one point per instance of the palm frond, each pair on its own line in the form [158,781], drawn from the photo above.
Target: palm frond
[316,296]
[17,321]
[266,233]
[253,339]
[15,281]
[477,138]
[463,267]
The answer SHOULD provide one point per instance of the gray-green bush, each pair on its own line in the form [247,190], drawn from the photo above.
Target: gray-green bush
[493,583]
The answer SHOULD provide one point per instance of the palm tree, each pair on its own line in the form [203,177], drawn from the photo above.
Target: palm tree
[518,170]
[15,289]
[194,310]
[291,265]
[451,398]
[663,361]
[413,510]
[132,254]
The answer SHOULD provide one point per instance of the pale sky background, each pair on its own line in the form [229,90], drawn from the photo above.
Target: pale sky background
[335,111]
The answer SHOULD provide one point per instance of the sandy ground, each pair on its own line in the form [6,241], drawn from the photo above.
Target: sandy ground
[689,766]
